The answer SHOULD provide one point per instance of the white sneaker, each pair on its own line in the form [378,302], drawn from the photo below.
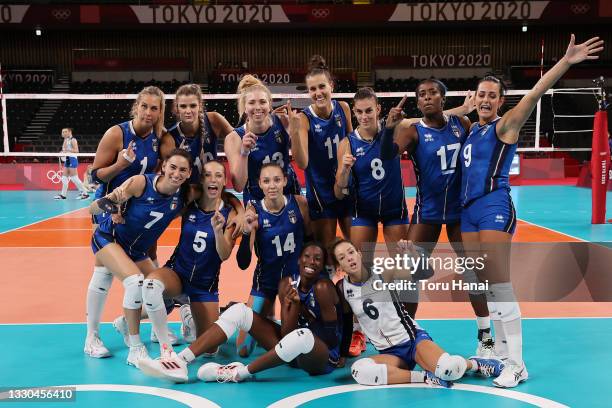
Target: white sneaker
[221,374]
[169,366]
[511,376]
[120,324]
[83,196]
[486,348]
[59,197]
[172,337]
[188,330]
[95,348]
[137,354]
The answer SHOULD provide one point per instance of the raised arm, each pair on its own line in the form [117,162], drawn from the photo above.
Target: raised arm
[397,135]
[298,132]
[111,158]
[465,109]
[511,123]
[238,157]
[223,235]
[132,187]
[345,163]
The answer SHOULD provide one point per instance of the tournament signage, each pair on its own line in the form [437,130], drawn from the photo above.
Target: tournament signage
[470,11]
[29,76]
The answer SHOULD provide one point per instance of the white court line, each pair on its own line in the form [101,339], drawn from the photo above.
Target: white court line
[44,219]
[418,320]
[552,230]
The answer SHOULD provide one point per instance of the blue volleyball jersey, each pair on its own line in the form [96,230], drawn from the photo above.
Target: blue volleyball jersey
[147,154]
[485,162]
[194,146]
[314,320]
[146,218]
[324,136]
[278,243]
[195,257]
[271,146]
[438,171]
[377,184]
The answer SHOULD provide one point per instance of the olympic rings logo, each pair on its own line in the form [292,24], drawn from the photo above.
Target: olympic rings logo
[61,14]
[580,8]
[55,176]
[320,13]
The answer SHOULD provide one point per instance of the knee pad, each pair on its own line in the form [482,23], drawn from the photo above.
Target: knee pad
[152,294]
[132,298]
[367,372]
[505,302]
[299,341]
[450,368]
[238,316]
[469,276]
[492,306]
[101,280]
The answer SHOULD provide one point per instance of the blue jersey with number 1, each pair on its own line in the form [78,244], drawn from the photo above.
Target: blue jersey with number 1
[438,172]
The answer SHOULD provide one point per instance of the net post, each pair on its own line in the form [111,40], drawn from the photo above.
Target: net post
[4,118]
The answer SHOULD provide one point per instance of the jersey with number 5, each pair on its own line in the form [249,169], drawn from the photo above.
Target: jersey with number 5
[278,241]
[380,313]
[146,150]
[324,136]
[485,162]
[146,217]
[438,172]
[196,258]
[377,185]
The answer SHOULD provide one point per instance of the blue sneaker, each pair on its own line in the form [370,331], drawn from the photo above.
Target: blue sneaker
[434,381]
[488,367]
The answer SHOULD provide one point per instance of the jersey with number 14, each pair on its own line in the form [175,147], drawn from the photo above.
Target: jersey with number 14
[279,239]
[146,151]
[438,171]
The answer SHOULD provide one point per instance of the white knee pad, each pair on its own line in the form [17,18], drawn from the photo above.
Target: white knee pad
[101,280]
[450,368]
[492,306]
[505,302]
[132,296]
[238,316]
[299,341]
[152,295]
[367,372]
[469,276]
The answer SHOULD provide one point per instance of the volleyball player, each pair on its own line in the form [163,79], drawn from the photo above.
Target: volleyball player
[433,144]
[308,337]
[275,226]
[262,139]
[400,341]
[488,219]
[71,166]
[151,203]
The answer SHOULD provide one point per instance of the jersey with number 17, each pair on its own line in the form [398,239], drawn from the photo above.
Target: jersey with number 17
[146,150]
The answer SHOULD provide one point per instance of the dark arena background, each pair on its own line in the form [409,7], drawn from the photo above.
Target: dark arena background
[80,64]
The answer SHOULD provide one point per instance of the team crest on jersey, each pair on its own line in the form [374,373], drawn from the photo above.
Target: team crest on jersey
[174,203]
[266,223]
[317,128]
[428,137]
[349,293]
[455,131]
[338,120]
[359,152]
[277,136]
[192,218]
[292,217]
[154,145]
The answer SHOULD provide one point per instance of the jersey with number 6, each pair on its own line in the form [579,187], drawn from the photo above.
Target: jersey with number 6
[485,162]
[438,172]
[271,146]
[324,136]
[380,313]
[278,241]
[196,258]
[376,184]
[146,150]
[146,218]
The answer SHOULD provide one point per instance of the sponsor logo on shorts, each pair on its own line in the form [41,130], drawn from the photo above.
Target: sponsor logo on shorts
[500,218]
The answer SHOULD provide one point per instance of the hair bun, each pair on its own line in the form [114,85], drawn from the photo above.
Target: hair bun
[247,81]
[317,62]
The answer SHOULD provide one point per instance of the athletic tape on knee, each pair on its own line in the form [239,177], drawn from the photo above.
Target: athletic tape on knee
[505,302]
[367,372]
[299,341]
[152,294]
[101,280]
[238,316]
[132,297]
[450,368]
[469,276]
